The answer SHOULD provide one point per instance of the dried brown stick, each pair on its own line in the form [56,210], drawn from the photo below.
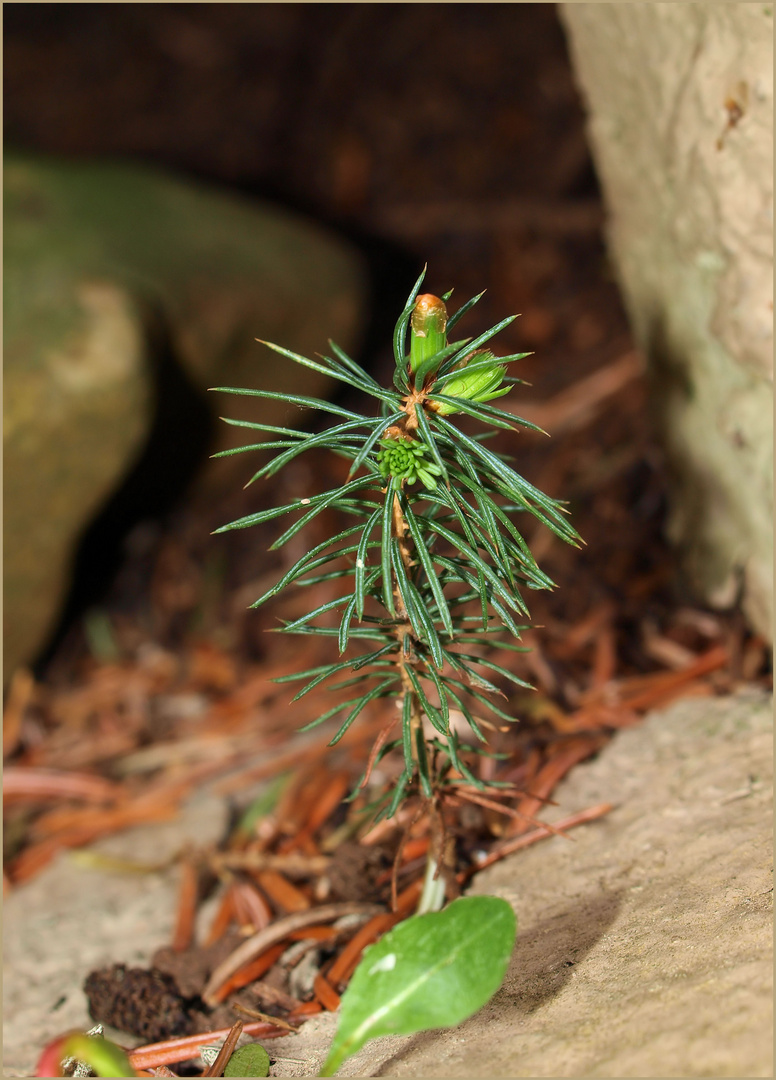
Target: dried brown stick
[277,931]
[255,1014]
[226,1051]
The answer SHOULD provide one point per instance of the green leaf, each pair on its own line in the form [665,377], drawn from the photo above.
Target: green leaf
[103,1057]
[250,1060]
[430,971]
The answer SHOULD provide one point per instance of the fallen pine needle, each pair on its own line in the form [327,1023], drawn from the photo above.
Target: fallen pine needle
[188,896]
[293,865]
[276,932]
[250,907]
[326,993]
[462,794]
[20,782]
[327,803]
[567,755]
[345,964]
[223,916]
[281,892]
[250,972]
[154,1055]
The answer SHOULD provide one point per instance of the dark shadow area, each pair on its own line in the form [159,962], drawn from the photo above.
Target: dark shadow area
[546,955]
[548,951]
[417,133]
[180,434]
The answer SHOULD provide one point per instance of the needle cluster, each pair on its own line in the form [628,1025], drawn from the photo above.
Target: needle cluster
[433,574]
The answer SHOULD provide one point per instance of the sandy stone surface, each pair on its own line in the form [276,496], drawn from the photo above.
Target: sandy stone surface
[644,947]
[680,123]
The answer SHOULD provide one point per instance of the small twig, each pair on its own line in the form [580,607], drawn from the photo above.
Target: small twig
[400,851]
[271,935]
[226,1051]
[379,743]
[255,1014]
[510,846]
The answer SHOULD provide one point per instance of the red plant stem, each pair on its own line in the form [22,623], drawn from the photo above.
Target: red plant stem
[155,1055]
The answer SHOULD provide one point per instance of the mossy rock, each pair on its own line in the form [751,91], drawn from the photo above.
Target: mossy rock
[89,247]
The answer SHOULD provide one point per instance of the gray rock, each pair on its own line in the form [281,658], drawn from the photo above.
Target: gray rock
[644,944]
[88,246]
[680,98]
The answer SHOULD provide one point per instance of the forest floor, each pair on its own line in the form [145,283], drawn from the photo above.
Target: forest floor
[165,684]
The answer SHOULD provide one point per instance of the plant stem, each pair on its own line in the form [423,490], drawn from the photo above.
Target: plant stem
[433,896]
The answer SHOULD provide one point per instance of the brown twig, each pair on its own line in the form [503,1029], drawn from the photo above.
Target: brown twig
[379,743]
[226,1051]
[256,1015]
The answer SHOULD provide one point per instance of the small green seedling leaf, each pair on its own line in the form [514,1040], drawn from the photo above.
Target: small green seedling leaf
[103,1057]
[431,971]
[250,1060]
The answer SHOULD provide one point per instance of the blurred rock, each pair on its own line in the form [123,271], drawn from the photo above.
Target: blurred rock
[680,98]
[90,248]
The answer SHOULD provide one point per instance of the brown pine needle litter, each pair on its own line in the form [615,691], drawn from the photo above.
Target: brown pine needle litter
[303,882]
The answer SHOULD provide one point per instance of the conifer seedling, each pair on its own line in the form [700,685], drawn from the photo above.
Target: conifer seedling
[433,567]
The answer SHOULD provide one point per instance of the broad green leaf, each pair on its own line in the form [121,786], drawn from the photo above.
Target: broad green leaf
[430,971]
[252,1060]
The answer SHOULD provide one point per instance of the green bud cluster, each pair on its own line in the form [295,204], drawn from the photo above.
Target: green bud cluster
[405,459]
[482,384]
